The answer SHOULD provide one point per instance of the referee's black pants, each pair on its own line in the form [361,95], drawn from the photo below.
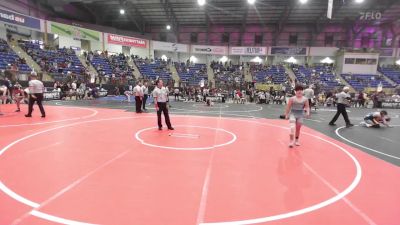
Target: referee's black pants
[144,101]
[38,99]
[341,109]
[162,107]
[138,102]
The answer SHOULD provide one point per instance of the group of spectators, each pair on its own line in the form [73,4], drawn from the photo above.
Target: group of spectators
[358,100]
[14,66]
[191,73]
[152,69]
[228,74]
[319,78]
[53,60]
[113,69]
[364,81]
[76,89]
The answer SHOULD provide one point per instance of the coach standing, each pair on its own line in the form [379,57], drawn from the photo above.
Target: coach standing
[343,99]
[160,95]
[137,90]
[36,89]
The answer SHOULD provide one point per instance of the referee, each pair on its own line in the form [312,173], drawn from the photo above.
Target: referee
[36,89]
[342,101]
[160,95]
[138,91]
[145,90]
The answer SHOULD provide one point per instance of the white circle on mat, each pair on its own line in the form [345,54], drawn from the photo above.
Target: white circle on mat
[233,139]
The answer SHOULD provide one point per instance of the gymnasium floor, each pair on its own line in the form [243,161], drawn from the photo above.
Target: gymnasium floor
[98,162]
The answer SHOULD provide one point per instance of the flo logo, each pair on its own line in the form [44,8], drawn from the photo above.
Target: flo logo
[370,15]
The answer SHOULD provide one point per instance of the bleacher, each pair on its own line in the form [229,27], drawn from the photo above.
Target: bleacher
[102,65]
[65,59]
[8,57]
[316,75]
[194,75]
[153,70]
[391,73]
[120,65]
[361,81]
[275,74]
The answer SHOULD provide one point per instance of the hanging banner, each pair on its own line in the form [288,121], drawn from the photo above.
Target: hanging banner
[292,51]
[74,32]
[19,19]
[169,47]
[126,41]
[210,50]
[247,50]
[386,52]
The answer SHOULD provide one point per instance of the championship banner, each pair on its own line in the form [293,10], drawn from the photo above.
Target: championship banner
[292,51]
[19,19]
[211,50]
[74,32]
[126,41]
[247,50]
[169,46]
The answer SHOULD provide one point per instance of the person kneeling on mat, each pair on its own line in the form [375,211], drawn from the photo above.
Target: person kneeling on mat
[375,119]
[295,114]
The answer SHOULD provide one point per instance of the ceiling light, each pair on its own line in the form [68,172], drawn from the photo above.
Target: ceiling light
[251,2]
[359,1]
[193,59]
[327,60]
[223,59]
[303,1]
[257,59]
[291,60]
[122,11]
[201,2]
[168,27]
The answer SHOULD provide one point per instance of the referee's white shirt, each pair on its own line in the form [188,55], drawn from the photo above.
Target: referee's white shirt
[138,91]
[161,94]
[36,87]
[145,90]
[342,97]
[309,93]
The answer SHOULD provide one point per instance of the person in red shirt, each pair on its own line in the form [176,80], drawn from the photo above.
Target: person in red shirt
[238,96]
[18,96]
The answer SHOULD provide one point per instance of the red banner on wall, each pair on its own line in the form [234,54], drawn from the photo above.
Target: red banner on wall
[126,41]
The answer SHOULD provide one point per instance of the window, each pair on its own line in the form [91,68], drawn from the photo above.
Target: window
[193,37]
[258,39]
[328,39]
[293,39]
